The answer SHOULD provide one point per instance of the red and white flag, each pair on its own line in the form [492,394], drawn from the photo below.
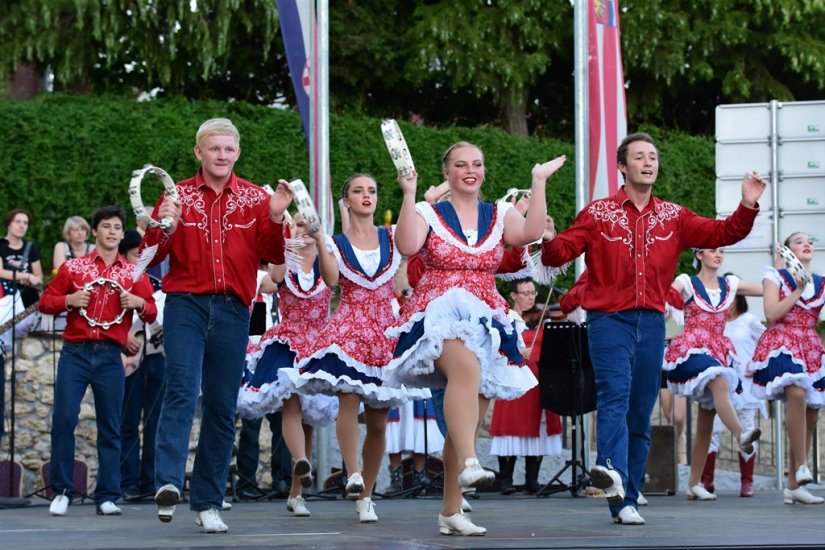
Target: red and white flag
[608,113]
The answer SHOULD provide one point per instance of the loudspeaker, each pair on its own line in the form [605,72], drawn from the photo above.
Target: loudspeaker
[567,383]
[662,476]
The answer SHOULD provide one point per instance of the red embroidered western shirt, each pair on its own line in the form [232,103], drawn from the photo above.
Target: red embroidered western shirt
[631,256]
[219,239]
[104,302]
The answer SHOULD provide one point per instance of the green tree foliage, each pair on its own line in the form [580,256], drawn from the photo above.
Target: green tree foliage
[492,48]
[684,58]
[221,48]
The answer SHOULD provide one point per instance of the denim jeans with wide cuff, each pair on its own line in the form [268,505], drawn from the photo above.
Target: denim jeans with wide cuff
[205,338]
[82,364]
[626,350]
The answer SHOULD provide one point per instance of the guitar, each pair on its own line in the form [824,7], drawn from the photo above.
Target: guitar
[5,313]
[132,362]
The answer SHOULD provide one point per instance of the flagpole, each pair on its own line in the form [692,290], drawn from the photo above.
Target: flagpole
[580,59]
[582,166]
[319,160]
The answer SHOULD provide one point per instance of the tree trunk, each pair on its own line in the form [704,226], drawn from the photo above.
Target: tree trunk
[25,82]
[514,113]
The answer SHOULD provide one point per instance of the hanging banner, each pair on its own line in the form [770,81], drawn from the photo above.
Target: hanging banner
[608,112]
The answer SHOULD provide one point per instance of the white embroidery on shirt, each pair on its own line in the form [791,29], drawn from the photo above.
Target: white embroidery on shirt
[246,197]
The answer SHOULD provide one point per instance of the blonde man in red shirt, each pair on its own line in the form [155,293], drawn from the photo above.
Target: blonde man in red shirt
[632,242]
[99,292]
[221,227]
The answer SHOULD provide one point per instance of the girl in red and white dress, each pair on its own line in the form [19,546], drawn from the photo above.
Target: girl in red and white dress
[789,360]
[700,360]
[349,357]
[456,329]
[303,300]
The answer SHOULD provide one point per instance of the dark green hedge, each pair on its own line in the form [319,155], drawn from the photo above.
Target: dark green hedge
[66,155]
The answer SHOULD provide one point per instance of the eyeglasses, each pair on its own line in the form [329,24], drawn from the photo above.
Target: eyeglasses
[527,292]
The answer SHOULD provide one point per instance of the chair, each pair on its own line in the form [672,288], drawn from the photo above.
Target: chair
[11,479]
[80,480]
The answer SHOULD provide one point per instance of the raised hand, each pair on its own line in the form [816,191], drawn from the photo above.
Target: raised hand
[543,171]
[752,188]
[280,201]
[408,184]
[170,208]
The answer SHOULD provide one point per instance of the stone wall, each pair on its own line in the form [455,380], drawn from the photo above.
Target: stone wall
[35,370]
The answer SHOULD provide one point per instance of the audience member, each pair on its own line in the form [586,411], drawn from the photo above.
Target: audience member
[19,258]
[74,244]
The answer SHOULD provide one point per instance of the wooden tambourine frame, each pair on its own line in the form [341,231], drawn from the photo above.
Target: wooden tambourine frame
[305,206]
[792,264]
[397,146]
[137,201]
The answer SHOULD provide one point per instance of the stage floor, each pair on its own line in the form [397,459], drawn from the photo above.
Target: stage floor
[516,521]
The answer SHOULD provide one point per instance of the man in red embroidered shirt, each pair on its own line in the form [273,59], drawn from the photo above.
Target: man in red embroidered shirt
[221,227]
[633,241]
[99,292]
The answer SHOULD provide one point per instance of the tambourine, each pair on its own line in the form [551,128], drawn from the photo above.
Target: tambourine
[303,201]
[514,193]
[101,281]
[137,201]
[397,147]
[793,265]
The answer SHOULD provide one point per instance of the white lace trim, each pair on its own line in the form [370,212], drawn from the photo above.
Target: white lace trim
[374,396]
[316,410]
[690,291]
[772,274]
[696,387]
[457,314]
[359,278]
[491,240]
[301,293]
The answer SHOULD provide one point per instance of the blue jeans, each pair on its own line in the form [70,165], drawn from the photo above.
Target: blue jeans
[143,393]
[98,364]
[205,346]
[626,350]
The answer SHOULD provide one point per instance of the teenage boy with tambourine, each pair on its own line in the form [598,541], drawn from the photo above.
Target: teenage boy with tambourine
[100,291]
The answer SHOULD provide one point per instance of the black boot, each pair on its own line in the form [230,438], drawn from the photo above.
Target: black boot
[396,479]
[532,465]
[506,465]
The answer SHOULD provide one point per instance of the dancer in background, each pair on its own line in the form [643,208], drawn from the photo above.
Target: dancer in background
[349,357]
[456,329]
[303,299]
[744,330]
[406,435]
[700,360]
[789,360]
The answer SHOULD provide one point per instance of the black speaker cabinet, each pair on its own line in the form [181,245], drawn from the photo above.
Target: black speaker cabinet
[662,475]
